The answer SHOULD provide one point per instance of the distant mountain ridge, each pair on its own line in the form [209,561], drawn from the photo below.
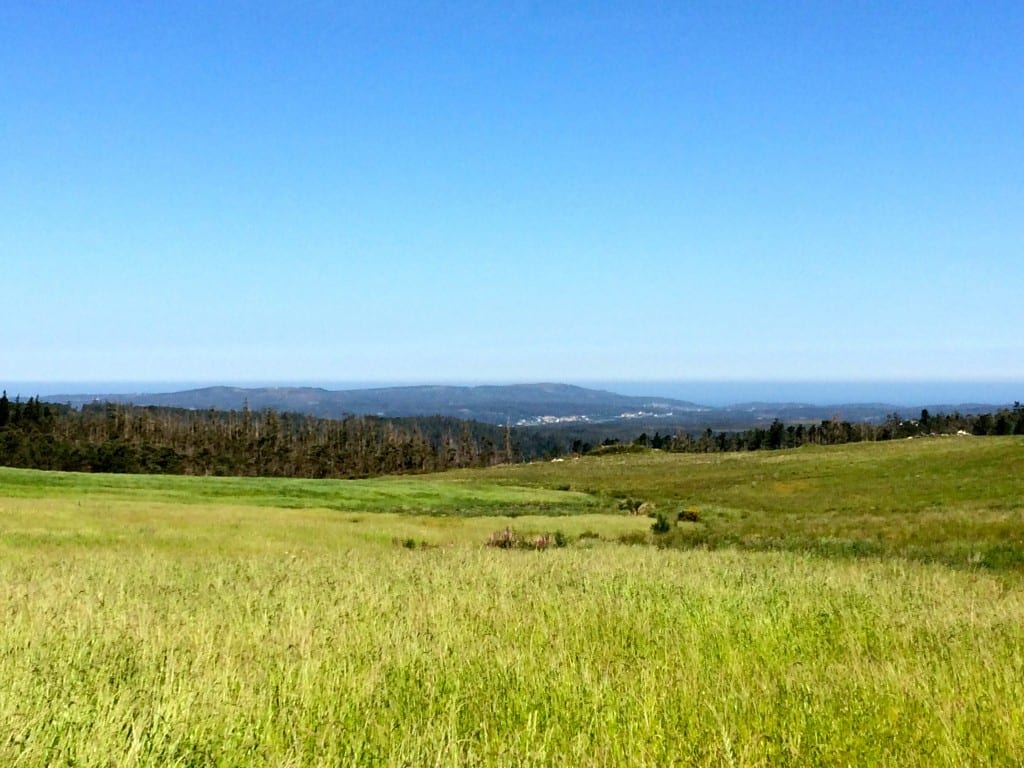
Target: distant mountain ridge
[548,404]
[489,403]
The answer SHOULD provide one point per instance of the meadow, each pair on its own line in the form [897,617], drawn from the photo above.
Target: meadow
[851,605]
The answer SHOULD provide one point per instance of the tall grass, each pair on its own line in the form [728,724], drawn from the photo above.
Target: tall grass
[338,650]
[186,622]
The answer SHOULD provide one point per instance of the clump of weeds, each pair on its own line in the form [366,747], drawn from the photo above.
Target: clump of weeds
[509,539]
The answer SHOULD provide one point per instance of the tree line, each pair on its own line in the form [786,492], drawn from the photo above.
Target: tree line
[110,437]
[1006,421]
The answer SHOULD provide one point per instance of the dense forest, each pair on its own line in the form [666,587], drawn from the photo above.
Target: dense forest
[122,438]
[119,438]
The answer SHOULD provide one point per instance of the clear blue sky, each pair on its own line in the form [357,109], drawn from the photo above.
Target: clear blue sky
[320,191]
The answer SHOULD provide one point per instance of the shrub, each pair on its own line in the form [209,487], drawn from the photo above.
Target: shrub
[504,539]
[509,539]
[636,506]
[688,515]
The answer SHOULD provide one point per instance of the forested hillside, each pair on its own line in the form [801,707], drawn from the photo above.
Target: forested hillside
[117,438]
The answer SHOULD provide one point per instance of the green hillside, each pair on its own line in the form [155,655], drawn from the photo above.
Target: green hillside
[959,500]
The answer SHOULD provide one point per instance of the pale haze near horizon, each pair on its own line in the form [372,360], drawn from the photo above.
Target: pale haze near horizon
[431,192]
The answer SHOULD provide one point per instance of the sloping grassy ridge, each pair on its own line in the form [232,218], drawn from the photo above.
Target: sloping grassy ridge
[959,501]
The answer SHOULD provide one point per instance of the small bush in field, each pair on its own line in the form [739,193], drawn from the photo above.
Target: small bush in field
[509,539]
[661,524]
[505,539]
[688,515]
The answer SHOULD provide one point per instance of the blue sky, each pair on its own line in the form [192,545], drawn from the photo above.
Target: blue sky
[421,192]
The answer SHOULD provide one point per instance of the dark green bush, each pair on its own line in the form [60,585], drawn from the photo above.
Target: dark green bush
[688,515]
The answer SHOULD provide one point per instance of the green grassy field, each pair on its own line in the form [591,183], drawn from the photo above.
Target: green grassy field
[204,621]
[959,501]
